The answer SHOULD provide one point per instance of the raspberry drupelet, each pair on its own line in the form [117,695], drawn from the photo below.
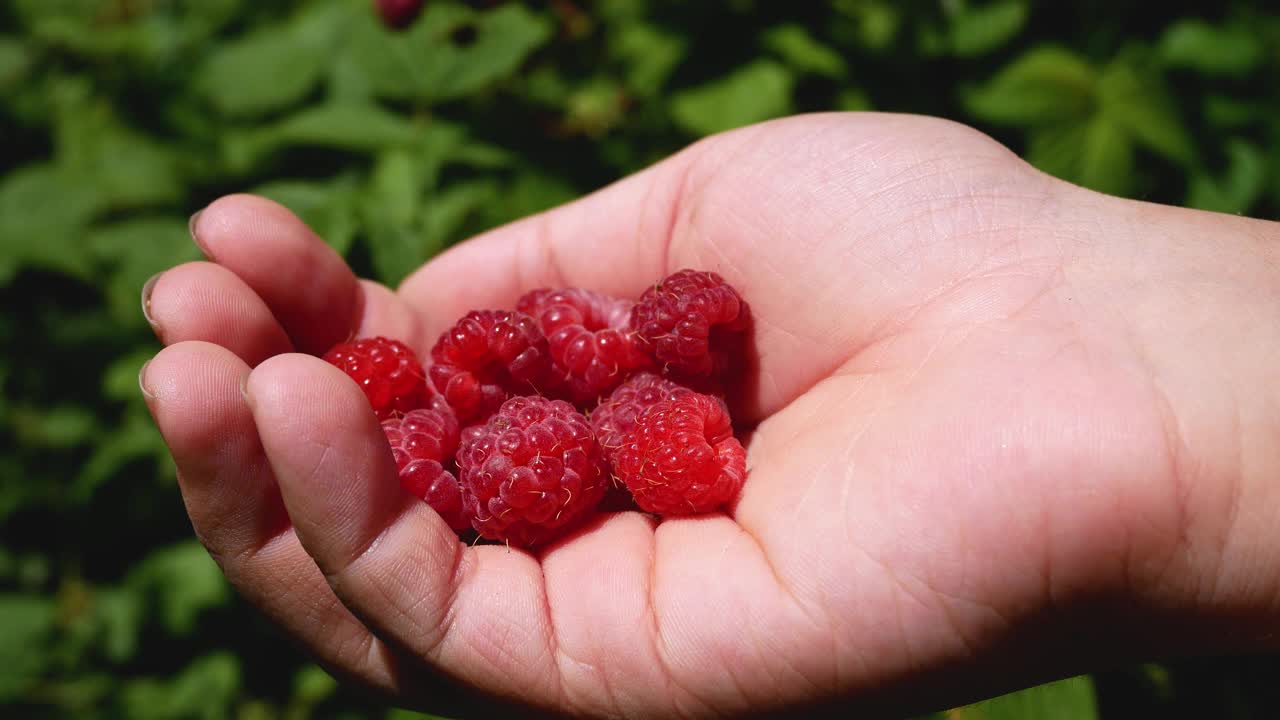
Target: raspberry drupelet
[424,442]
[617,414]
[531,472]
[590,339]
[687,320]
[387,371]
[680,457]
[488,356]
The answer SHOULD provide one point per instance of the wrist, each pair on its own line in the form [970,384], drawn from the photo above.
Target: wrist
[1195,297]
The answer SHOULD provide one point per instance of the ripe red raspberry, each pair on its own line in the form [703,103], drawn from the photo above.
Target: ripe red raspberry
[589,335]
[387,371]
[488,356]
[532,471]
[617,414]
[681,458]
[686,322]
[398,14]
[429,433]
[424,442]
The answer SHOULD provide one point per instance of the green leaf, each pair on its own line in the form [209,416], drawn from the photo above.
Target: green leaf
[980,30]
[120,615]
[43,215]
[852,99]
[872,24]
[396,250]
[184,581]
[275,66]
[595,107]
[1138,102]
[15,60]
[312,685]
[534,191]
[447,211]
[802,51]
[396,187]
[1211,50]
[504,38]
[1071,699]
[1047,85]
[427,63]
[40,13]
[755,92]
[133,438]
[1226,111]
[204,690]
[59,427]
[26,622]
[479,155]
[134,250]
[235,83]
[344,127]
[1239,188]
[328,207]
[391,208]
[151,40]
[649,54]
[1095,154]
[400,714]
[91,144]
[1106,158]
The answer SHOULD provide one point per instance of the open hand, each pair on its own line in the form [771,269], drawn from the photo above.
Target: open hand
[1004,430]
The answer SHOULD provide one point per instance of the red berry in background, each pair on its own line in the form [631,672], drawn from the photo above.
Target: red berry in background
[488,356]
[531,472]
[387,371]
[398,14]
[590,339]
[687,320]
[680,457]
[617,414]
[424,442]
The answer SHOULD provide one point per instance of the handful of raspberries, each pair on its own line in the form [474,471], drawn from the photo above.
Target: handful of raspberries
[493,433]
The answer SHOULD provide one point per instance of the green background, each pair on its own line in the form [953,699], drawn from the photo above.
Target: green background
[119,118]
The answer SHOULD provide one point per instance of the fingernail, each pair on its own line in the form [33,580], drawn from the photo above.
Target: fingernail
[147,288]
[195,237]
[244,389]
[142,382]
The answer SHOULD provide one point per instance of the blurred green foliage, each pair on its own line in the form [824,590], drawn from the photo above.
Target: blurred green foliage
[118,118]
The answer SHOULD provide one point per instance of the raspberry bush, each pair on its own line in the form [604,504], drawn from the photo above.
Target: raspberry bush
[122,117]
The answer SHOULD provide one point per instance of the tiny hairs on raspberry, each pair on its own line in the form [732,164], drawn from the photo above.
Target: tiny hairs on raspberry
[386,370]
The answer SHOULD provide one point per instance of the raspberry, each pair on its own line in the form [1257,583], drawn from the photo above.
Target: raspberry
[398,14]
[387,371]
[617,414]
[589,335]
[687,321]
[423,442]
[423,434]
[681,458]
[531,472]
[488,356]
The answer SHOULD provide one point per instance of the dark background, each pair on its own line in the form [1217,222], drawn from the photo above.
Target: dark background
[119,118]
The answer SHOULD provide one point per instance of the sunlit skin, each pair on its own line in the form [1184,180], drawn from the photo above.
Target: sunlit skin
[1002,430]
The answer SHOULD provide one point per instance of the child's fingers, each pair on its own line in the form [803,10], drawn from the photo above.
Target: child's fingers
[194,392]
[308,287]
[206,302]
[387,555]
